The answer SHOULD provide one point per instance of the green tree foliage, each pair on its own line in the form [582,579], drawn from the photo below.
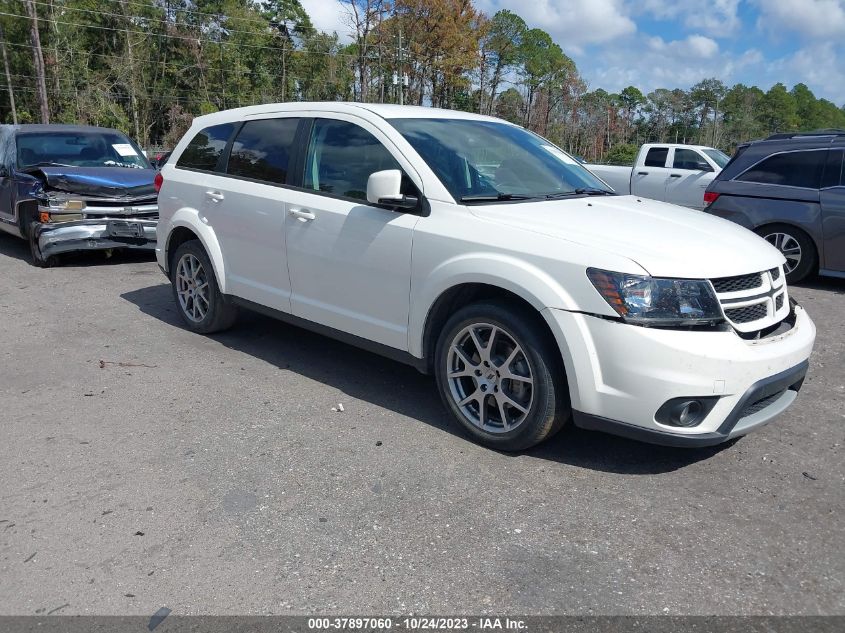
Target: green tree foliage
[149,66]
[622,154]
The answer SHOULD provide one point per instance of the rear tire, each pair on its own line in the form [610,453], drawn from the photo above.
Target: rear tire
[500,376]
[795,245]
[202,306]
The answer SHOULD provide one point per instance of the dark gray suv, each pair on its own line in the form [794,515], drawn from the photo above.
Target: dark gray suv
[790,189]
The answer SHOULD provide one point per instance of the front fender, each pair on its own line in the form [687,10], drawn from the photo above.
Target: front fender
[528,282]
[189,218]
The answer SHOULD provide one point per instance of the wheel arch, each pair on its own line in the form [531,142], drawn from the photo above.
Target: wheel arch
[462,294]
[183,229]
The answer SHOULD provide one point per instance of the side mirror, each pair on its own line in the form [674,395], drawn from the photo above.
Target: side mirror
[384,187]
[702,166]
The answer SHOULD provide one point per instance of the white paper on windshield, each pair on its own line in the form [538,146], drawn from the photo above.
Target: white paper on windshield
[563,157]
[124,149]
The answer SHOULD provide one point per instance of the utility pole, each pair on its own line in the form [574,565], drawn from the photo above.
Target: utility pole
[38,61]
[401,72]
[8,77]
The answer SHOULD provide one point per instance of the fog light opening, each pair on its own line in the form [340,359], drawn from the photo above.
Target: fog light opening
[685,412]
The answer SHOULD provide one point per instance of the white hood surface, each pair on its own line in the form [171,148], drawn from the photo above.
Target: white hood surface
[664,239]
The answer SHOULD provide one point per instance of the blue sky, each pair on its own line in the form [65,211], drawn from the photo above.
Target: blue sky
[676,43]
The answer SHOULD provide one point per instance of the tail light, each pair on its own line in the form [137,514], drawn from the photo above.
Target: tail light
[159,180]
[710,197]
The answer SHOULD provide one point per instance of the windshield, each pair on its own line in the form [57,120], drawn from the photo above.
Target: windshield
[487,161]
[78,149]
[718,157]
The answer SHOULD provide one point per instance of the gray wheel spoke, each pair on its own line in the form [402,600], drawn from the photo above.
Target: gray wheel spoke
[510,401]
[477,342]
[471,397]
[463,357]
[501,404]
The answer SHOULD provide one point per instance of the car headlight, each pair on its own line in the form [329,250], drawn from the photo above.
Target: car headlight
[61,210]
[658,301]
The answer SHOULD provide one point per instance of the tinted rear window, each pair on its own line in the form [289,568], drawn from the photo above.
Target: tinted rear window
[261,150]
[791,169]
[656,157]
[206,148]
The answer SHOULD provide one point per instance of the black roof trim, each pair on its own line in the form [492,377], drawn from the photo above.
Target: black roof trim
[788,135]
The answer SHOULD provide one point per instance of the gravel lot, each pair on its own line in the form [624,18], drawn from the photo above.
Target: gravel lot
[210,475]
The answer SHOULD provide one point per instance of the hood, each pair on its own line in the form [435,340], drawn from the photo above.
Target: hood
[100,182]
[664,239]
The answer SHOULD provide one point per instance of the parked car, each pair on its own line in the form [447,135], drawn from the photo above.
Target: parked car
[72,188]
[159,158]
[790,189]
[533,293]
[673,173]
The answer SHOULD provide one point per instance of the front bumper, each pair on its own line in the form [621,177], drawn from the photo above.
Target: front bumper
[85,235]
[620,375]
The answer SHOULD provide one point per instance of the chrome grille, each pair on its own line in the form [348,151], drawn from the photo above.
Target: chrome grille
[747,314]
[775,273]
[779,302]
[737,284]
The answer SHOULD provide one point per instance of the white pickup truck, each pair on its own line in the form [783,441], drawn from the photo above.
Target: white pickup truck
[672,173]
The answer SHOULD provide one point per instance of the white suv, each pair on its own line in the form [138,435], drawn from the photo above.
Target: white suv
[482,253]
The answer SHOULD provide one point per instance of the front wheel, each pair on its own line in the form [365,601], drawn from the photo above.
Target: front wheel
[500,376]
[38,258]
[202,306]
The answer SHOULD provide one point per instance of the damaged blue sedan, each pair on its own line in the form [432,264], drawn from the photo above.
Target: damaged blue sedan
[70,188]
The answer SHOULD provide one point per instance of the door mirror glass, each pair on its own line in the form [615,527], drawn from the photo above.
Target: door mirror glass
[385,187]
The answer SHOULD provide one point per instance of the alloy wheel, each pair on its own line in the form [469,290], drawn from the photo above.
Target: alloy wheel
[490,378]
[192,288]
[789,247]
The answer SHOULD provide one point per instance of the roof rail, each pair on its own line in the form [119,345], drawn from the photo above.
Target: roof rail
[826,132]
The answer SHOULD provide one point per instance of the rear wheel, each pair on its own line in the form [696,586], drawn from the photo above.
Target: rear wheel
[202,306]
[795,245]
[500,377]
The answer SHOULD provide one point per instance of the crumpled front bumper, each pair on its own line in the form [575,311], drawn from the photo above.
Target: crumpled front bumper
[95,234]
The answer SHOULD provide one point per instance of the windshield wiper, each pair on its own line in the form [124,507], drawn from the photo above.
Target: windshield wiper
[47,163]
[581,191]
[499,197]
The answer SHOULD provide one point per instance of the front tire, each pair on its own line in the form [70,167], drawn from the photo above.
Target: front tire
[201,305]
[500,376]
[38,259]
[795,245]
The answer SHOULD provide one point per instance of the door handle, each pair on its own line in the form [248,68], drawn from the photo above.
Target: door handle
[642,173]
[303,215]
[674,175]
[214,196]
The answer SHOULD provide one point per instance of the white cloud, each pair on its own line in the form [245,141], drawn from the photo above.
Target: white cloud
[573,24]
[651,62]
[329,16]
[810,18]
[693,47]
[717,18]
